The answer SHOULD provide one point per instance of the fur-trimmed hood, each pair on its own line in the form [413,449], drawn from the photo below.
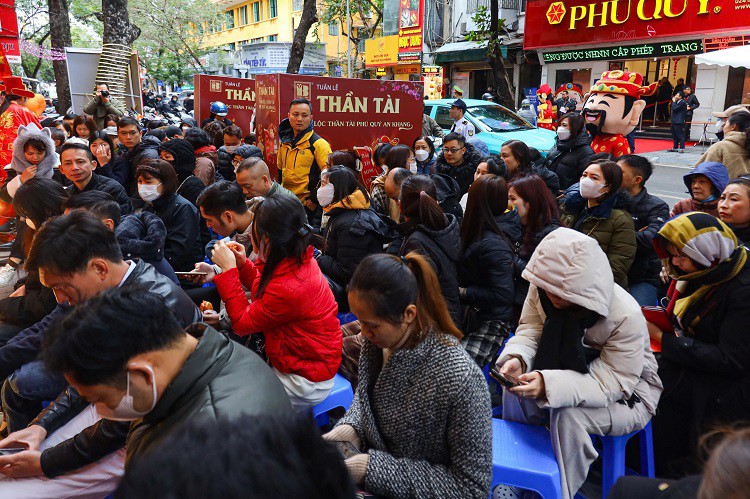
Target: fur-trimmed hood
[19,162]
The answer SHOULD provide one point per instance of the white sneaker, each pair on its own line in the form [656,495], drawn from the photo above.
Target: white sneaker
[8,275]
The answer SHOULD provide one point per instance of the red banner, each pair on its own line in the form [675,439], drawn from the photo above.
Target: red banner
[410,28]
[348,113]
[555,23]
[9,31]
[237,93]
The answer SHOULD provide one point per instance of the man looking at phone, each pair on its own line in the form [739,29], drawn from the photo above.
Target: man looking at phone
[77,257]
[101,105]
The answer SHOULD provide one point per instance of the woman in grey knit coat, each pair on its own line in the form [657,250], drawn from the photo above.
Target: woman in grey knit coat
[421,416]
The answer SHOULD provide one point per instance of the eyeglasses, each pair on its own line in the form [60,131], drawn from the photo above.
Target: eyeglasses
[452,150]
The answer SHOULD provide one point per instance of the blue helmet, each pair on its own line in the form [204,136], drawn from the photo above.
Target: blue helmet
[219,108]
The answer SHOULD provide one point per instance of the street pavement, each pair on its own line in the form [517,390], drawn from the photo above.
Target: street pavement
[669,167]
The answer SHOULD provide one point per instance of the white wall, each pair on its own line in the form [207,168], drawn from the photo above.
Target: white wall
[549,71]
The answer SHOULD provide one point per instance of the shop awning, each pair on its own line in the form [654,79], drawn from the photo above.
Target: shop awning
[738,57]
[469,51]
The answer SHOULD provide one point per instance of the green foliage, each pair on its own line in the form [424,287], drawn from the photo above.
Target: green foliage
[172,35]
[484,32]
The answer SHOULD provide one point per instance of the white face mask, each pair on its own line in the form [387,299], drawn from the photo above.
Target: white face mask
[30,223]
[590,189]
[719,126]
[231,149]
[125,410]
[421,155]
[149,192]
[413,167]
[563,133]
[325,195]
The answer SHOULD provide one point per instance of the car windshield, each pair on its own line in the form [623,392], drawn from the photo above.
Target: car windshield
[497,119]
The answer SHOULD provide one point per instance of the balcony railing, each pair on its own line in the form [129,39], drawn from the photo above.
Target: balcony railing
[473,5]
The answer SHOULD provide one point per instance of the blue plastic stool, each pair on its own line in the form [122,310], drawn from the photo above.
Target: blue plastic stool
[494,386]
[613,456]
[522,457]
[346,318]
[341,396]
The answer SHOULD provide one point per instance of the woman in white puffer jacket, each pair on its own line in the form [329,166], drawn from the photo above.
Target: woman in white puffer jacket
[581,352]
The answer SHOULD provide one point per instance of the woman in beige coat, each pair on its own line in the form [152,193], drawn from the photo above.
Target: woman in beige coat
[582,354]
[734,150]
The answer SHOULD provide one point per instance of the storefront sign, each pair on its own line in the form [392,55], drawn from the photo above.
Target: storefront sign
[381,52]
[410,24]
[9,32]
[237,93]
[646,50]
[555,23]
[725,42]
[347,112]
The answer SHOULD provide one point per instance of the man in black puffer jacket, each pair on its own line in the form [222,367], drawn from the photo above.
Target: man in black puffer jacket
[649,215]
[570,156]
[458,160]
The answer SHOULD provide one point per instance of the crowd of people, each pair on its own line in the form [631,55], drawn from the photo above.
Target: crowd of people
[165,278]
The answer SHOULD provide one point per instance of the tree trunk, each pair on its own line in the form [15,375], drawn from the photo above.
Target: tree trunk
[117,45]
[503,85]
[309,17]
[59,28]
[117,27]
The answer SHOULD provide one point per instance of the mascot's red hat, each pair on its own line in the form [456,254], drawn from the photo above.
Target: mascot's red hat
[623,82]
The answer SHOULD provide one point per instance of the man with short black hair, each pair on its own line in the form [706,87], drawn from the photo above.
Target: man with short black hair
[77,163]
[101,106]
[78,257]
[458,160]
[125,345]
[649,215]
[254,179]
[302,156]
[137,149]
[222,204]
[461,125]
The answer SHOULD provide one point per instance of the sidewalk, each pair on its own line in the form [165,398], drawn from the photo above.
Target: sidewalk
[686,160]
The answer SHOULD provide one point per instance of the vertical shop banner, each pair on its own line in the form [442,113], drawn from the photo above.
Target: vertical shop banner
[348,113]
[9,31]
[410,29]
[554,23]
[237,93]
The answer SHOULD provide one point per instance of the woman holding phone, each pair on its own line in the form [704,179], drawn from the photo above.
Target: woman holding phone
[580,352]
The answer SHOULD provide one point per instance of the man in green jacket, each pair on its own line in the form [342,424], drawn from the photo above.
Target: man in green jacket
[101,105]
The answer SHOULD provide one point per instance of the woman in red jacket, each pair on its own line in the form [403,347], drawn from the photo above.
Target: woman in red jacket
[292,303]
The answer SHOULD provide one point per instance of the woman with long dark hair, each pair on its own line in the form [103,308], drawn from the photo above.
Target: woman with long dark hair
[108,163]
[424,154]
[35,202]
[489,232]
[292,303]
[518,160]
[353,230]
[539,215]
[432,233]
[418,395]
[83,126]
[572,150]
[595,211]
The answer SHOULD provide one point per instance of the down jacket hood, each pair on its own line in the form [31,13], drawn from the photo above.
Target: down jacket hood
[572,266]
[142,235]
[448,239]
[248,151]
[184,156]
[716,172]
[19,163]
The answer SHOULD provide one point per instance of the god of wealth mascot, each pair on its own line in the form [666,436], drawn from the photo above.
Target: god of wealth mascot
[546,110]
[613,108]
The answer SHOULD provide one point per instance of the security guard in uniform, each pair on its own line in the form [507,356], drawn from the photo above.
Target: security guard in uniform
[462,126]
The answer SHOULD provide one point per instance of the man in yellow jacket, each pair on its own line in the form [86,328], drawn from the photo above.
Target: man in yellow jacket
[302,155]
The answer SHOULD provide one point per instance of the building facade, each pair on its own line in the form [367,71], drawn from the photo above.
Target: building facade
[578,40]
[247,23]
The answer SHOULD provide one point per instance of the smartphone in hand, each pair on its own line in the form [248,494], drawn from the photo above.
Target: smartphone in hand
[506,380]
[11,450]
[347,449]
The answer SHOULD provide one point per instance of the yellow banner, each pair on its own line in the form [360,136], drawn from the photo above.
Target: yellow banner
[381,52]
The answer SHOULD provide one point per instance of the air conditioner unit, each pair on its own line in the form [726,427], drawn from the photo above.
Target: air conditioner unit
[462,29]
[513,26]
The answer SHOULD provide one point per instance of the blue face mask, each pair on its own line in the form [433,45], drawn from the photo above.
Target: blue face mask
[712,197]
